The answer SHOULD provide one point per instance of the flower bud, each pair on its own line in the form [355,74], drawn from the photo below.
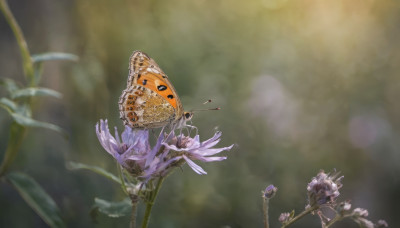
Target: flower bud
[270,191]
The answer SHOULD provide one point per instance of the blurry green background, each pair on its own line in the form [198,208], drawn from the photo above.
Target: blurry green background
[303,85]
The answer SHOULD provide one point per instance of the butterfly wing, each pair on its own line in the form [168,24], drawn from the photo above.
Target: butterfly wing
[150,100]
[142,108]
[144,71]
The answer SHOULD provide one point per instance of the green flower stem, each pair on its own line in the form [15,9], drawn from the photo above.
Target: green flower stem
[265,209]
[26,57]
[150,204]
[17,133]
[134,200]
[301,215]
[337,218]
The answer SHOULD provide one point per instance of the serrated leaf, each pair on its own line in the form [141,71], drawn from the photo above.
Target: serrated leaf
[34,92]
[54,56]
[113,209]
[29,122]
[9,84]
[96,169]
[8,104]
[35,196]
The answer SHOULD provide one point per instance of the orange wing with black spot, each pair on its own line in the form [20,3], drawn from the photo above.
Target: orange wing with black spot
[150,100]
[144,71]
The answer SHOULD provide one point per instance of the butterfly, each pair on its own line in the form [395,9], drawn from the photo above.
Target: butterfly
[150,100]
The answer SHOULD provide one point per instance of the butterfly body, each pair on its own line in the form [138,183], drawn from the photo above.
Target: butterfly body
[150,100]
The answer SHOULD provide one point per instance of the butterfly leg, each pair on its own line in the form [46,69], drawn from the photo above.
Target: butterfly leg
[192,127]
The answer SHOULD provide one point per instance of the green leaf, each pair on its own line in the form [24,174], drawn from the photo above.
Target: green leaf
[35,196]
[8,104]
[37,72]
[29,122]
[10,84]
[20,116]
[113,209]
[34,92]
[54,56]
[96,169]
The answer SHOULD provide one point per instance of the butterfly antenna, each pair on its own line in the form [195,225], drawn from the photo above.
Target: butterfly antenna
[208,109]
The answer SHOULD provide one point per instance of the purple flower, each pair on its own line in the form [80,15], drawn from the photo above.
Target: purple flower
[359,215]
[285,217]
[191,149]
[135,154]
[323,189]
[270,191]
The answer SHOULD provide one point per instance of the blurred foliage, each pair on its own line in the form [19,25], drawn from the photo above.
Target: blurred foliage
[303,85]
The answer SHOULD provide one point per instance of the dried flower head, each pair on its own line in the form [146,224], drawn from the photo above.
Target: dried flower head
[270,191]
[359,215]
[360,212]
[135,154]
[381,224]
[344,208]
[323,189]
[284,217]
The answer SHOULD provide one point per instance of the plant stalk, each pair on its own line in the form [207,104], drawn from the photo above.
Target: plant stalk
[26,57]
[301,215]
[265,209]
[134,200]
[335,219]
[150,204]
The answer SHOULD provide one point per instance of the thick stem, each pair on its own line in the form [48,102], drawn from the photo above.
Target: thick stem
[17,133]
[26,57]
[134,200]
[301,215]
[265,209]
[150,204]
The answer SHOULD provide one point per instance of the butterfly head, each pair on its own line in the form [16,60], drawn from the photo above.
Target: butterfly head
[187,116]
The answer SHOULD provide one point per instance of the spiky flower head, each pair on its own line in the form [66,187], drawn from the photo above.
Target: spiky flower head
[135,154]
[190,149]
[323,189]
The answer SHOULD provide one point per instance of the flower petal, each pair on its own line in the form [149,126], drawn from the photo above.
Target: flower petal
[211,159]
[155,149]
[194,166]
[212,139]
[210,152]
[105,138]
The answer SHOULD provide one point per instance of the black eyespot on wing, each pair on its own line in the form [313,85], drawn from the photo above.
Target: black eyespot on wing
[144,82]
[170,96]
[138,76]
[161,87]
